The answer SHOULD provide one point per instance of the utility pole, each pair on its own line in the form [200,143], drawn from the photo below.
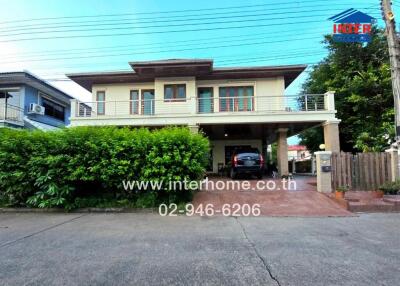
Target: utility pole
[394,56]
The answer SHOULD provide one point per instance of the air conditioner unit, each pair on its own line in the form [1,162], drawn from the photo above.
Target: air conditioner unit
[36,109]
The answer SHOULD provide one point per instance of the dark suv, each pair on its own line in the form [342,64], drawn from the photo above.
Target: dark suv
[246,161]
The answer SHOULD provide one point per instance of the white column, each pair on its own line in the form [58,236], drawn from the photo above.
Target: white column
[216,98]
[74,103]
[193,105]
[329,100]
[394,163]
[282,152]
[194,128]
[331,135]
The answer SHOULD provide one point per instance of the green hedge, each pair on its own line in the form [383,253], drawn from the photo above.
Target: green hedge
[72,166]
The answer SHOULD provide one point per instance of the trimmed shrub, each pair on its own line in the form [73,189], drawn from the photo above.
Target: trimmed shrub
[87,164]
[390,188]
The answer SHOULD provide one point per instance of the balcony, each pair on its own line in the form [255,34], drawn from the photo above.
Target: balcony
[11,114]
[200,108]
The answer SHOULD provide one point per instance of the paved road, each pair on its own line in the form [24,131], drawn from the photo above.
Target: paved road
[146,249]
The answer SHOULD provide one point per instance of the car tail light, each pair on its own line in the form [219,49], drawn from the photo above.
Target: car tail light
[261,161]
[235,161]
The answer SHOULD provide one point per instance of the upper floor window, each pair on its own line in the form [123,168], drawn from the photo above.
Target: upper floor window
[53,109]
[101,104]
[134,102]
[175,92]
[236,98]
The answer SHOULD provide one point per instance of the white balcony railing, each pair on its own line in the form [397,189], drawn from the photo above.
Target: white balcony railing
[201,106]
[11,113]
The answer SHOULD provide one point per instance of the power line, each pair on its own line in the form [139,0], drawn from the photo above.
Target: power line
[235,60]
[154,50]
[158,12]
[253,59]
[152,20]
[163,44]
[158,21]
[217,59]
[158,26]
[309,65]
[157,32]
[189,24]
[176,50]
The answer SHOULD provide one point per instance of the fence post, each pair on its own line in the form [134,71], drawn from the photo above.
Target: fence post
[324,169]
[394,163]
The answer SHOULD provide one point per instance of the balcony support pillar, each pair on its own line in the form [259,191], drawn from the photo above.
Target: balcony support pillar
[282,152]
[194,128]
[331,136]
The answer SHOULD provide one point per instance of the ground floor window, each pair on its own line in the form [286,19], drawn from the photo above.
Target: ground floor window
[237,98]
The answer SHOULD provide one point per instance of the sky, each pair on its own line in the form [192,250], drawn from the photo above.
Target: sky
[54,38]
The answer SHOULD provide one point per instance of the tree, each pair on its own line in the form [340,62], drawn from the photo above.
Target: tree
[360,75]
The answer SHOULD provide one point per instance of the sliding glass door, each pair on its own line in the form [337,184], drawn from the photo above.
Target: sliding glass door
[148,102]
[205,100]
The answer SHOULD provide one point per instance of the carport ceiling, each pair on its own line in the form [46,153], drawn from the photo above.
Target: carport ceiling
[253,131]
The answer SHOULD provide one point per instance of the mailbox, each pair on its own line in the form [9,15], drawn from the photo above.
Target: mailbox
[326,169]
[326,163]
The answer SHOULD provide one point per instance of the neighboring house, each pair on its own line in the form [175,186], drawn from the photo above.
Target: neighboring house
[27,101]
[298,153]
[238,106]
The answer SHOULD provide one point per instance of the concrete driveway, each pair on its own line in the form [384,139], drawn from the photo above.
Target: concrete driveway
[146,249]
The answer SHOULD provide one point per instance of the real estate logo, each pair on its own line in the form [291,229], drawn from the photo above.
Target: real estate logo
[352,26]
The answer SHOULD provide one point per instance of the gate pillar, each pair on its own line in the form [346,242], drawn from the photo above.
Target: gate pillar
[394,163]
[324,169]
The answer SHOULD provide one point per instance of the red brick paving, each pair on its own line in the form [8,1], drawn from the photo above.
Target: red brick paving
[305,201]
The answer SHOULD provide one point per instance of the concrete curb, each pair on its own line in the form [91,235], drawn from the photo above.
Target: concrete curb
[83,210]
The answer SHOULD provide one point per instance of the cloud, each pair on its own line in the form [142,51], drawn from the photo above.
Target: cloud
[69,87]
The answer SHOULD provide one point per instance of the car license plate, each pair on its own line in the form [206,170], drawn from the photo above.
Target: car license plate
[249,163]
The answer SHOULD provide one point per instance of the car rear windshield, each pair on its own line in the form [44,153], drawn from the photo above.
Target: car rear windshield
[251,151]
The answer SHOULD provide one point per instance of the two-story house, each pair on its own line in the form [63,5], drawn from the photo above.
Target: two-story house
[238,106]
[27,101]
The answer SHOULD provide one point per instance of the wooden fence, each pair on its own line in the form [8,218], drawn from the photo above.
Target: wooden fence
[363,171]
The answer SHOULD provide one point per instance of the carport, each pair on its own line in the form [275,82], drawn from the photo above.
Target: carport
[225,137]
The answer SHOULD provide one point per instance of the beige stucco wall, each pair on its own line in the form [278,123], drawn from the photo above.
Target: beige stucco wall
[266,94]
[179,107]
[117,96]
[218,149]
